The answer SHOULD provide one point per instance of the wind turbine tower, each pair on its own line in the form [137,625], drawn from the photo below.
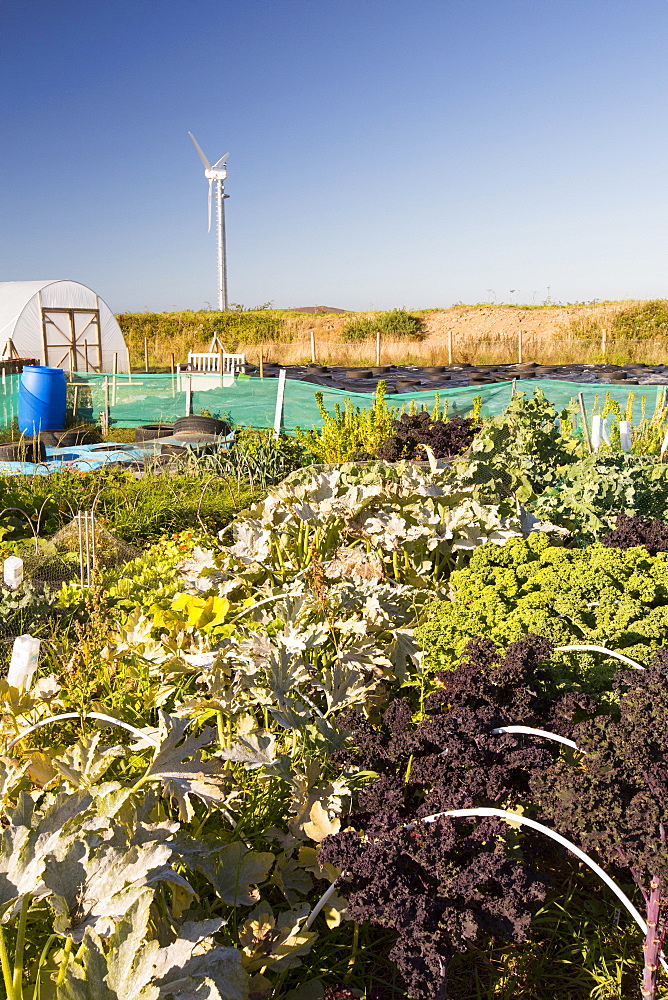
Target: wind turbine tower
[216,175]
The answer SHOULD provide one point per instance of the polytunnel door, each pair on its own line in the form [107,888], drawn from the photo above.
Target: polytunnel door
[72,339]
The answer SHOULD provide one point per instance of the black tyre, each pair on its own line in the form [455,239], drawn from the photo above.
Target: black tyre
[22,451]
[205,425]
[173,449]
[65,439]
[151,432]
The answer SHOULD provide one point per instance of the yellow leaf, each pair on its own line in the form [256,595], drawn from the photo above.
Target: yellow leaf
[335,910]
[320,825]
[41,771]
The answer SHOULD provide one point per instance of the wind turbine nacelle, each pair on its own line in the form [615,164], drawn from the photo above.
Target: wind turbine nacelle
[215,175]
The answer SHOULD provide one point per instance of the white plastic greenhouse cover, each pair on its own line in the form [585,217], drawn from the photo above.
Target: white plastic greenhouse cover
[24,304]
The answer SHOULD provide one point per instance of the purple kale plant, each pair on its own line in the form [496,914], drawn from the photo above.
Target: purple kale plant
[445,884]
[412,430]
[651,533]
[614,804]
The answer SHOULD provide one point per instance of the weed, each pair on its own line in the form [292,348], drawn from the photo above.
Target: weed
[351,431]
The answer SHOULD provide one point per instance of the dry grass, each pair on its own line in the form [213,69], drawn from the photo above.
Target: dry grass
[480,335]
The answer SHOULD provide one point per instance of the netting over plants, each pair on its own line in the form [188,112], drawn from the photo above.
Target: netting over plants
[75,552]
[74,555]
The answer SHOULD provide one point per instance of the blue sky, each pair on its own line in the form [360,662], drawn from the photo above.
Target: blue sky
[382,153]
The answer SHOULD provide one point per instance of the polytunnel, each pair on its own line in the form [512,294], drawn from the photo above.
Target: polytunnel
[60,323]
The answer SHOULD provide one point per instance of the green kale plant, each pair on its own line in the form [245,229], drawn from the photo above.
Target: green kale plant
[593,491]
[617,598]
[520,452]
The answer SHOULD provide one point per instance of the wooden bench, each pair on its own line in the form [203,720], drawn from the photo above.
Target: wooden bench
[209,361]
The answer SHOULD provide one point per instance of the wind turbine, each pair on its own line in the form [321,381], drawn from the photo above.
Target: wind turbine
[216,174]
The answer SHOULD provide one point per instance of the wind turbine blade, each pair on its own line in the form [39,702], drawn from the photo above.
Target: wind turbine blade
[207,165]
[221,161]
[210,200]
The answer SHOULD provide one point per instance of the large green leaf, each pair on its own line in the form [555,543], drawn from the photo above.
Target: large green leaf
[32,834]
[131,966]
[232,869]
[178,764]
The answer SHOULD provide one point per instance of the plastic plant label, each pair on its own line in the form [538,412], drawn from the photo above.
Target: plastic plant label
[23,664]
[625,435]
[596,432]
[604,430]
[12,572]
[664,446]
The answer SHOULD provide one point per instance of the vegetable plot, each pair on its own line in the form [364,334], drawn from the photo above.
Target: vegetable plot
[371,741]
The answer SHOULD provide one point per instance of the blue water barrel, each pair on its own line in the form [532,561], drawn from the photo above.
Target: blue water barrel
[42,399]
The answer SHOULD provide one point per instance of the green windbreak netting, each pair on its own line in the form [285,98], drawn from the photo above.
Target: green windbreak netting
[251,402]
[9,399]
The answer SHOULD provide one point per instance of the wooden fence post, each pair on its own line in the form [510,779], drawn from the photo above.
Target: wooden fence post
[604,342]
[585,426]
[145,354]
[519,346]
[312,347]
[378,348]
[449,347]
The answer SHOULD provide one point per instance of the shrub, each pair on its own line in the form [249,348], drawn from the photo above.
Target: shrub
[643,321]
[396,325]
[596,595]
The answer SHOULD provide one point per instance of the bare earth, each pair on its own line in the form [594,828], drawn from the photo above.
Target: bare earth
[480,335]
[492,322]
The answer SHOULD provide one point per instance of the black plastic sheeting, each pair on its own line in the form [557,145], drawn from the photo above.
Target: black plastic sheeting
[411,378]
